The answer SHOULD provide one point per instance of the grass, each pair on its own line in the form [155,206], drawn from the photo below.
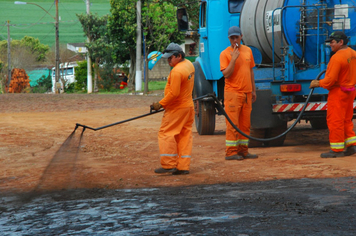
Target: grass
[31,20]
[152,86]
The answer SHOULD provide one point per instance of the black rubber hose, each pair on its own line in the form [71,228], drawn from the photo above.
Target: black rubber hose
[133,118]
[221,109]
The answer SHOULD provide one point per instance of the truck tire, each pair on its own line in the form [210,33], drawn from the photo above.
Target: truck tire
[205,117]
[318,123]
[256,133]
[268,133]
[273,132]
[204,109]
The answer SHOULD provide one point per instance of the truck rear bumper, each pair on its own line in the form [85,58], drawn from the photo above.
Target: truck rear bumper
[297,107]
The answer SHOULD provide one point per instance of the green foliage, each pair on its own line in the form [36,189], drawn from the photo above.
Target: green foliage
[70,88]
[30,44]
[95,28]
[109,77]
[36,48]
[160,25]
[122,29]
[44,84]
[81,74]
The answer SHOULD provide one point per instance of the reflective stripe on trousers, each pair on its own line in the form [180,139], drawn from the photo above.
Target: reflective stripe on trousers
[175,138]
[238,107]
[339,119]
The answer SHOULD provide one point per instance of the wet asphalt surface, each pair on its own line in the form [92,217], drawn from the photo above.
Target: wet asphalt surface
[280,207]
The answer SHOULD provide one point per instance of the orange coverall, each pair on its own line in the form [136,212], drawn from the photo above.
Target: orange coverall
[340,80]
[238,99]
[175,135]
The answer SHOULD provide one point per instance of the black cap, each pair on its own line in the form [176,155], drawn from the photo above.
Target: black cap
[171,49]
[234,30]
[337,35]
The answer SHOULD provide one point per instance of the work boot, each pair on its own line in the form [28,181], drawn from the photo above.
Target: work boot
[163,171]
[234,157]
[332,154]
[249,156]
[180,172]
[350,151]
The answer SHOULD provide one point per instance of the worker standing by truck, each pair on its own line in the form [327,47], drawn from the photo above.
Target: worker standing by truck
[175,135]
[340,80]
[236,63]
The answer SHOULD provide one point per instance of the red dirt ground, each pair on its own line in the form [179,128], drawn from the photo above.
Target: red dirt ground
[33,127]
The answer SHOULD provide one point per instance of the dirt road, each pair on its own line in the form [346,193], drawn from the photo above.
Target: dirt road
[33,127]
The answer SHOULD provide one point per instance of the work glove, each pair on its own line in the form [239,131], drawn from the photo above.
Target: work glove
[156,106]
[314,83]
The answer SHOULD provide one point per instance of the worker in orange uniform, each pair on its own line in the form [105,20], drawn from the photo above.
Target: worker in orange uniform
[340,80]
[123,83]
[175,135]
[236,63]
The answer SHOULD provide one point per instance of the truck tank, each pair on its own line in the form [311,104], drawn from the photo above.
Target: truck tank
[289,36]
[303,24]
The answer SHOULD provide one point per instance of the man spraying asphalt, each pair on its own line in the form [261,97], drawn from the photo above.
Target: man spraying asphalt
[175,134]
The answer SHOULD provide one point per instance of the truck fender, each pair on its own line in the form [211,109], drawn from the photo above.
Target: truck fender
[201,85]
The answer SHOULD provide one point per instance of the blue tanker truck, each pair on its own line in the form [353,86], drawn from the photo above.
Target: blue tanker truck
[287,40]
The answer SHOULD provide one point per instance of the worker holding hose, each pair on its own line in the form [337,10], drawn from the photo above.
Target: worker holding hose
[340,80]
[236,63]
[175,134]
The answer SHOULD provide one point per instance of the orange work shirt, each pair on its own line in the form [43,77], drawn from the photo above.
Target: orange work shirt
[341,70]
[179,87]
[240,80]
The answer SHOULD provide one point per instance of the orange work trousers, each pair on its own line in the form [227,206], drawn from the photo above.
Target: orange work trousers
[238,107]
[175,138]
[339,119]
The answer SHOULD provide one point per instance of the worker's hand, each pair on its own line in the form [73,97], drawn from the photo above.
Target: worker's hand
[254,97]
[314,83]
[235,53]
[156,106]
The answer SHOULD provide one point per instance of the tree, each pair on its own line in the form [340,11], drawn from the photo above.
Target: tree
[81,72]
[26,53]
[122,31]
[159,28]
[99,47]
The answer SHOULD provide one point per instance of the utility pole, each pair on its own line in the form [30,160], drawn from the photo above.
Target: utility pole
[57,48]
[8,56]
[89,74]
[138,78]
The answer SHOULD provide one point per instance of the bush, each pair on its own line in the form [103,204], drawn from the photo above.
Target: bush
[44,84]
[81,74]
[70,88]
[108,77]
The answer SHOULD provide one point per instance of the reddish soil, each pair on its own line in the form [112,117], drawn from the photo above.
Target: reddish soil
[34,127]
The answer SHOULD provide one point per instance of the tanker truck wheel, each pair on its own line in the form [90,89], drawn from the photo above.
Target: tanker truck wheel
[256,133]
[318,123]
[268,133]
[205,117]
[273,132]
